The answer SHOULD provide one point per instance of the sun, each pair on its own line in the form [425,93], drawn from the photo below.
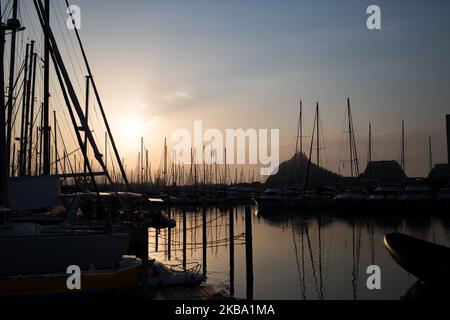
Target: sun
[134,127]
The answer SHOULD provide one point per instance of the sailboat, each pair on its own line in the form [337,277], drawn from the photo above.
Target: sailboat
[282,198]
[353,197]
[272,198]
[322,196]
[32,248]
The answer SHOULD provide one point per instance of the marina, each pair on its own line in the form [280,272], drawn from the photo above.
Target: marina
[328,253]
[79,219]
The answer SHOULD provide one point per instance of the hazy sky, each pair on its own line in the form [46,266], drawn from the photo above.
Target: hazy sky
[160,65]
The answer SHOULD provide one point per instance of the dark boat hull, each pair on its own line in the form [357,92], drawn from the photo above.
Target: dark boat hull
[427,261]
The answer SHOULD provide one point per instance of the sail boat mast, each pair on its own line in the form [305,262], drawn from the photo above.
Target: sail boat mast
[22,150]
[32,102]
[310,151]
[298,133]
[369,156]
[69,92]
[3,151]
[86,114]
[28,114]
[318,135]
[11,85]
[297,142]
[430,154]
[56,141]
[350,140]
[301,140]
[354,162]
[165,163]
[99,101]
[403,146]
[46,128]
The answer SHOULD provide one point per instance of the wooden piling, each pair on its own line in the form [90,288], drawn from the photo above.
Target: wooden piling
[204,239]
[249,251]
[169,238]
[156,240]
[145,258]
[184,239]
[231,251]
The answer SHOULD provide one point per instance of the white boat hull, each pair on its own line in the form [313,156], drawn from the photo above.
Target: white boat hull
[42,254]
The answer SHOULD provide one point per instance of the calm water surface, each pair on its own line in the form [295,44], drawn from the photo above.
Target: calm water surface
[298,255]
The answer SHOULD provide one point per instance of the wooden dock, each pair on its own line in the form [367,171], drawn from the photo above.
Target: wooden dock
[203,292]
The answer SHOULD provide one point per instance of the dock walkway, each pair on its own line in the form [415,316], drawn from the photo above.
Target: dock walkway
[203,292]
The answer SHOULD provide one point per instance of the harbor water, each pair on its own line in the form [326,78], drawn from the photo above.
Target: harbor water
[296,255]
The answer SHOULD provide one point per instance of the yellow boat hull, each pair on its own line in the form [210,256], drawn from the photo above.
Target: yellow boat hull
[115,282]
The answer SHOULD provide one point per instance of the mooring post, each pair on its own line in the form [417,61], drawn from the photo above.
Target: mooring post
[145,257]
[204,239]
[231,251]
[249,251]
[156,240]
[169,237]
[184,239]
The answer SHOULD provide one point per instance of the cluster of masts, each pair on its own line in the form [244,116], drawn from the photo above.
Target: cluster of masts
[30,152]
[353,158]
[26,109]
[173,173]
[35,140]
[316,145]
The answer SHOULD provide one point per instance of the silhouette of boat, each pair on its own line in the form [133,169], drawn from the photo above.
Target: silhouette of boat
[427,261]
[351,199]
[272,198]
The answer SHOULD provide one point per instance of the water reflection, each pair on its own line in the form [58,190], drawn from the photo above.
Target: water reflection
[297,255]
